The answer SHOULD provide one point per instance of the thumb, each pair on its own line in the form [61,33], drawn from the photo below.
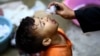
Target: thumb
[59,13]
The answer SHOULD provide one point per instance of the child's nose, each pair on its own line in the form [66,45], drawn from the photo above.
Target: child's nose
[45,19]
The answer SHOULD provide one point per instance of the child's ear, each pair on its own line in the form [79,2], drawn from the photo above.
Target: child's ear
[46,41]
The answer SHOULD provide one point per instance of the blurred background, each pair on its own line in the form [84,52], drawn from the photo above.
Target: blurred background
[12,12]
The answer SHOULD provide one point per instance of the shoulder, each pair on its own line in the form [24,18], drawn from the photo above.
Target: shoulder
[58,51]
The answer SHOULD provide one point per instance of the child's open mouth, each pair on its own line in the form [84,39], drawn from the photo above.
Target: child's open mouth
[53,21]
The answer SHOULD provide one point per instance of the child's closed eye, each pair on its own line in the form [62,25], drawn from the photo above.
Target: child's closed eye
[43,23]
[41,18]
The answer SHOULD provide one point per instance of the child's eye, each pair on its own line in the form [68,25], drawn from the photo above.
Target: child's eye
[43,23]
[41,18]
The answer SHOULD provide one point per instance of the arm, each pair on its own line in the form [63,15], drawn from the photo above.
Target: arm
[89,18]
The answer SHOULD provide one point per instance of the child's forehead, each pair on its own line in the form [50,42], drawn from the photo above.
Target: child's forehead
[40,14]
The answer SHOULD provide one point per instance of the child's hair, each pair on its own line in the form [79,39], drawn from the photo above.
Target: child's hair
[27,39]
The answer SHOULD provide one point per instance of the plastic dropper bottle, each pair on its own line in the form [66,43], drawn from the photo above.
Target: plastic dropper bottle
[52,9]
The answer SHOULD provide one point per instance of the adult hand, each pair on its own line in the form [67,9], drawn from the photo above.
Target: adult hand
[63,10]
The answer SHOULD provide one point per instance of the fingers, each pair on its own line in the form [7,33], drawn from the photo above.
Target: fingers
[59,13]
[55,3]
[50,4]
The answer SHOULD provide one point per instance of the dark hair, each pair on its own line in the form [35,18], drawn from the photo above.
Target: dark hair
[27,39]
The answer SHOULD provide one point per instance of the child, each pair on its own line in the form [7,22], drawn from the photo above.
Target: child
[41,34]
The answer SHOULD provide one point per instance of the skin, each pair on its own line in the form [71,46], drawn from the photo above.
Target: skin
[48,27]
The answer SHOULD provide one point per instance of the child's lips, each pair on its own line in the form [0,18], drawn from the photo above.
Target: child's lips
[53,21]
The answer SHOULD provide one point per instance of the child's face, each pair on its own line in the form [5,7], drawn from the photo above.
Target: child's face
[46,26]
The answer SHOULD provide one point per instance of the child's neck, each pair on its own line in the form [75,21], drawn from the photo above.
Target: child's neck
[58,39]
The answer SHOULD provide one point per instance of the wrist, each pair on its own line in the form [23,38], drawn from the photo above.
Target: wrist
[72,14]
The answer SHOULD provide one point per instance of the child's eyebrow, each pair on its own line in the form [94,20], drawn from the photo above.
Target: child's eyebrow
[40,23]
